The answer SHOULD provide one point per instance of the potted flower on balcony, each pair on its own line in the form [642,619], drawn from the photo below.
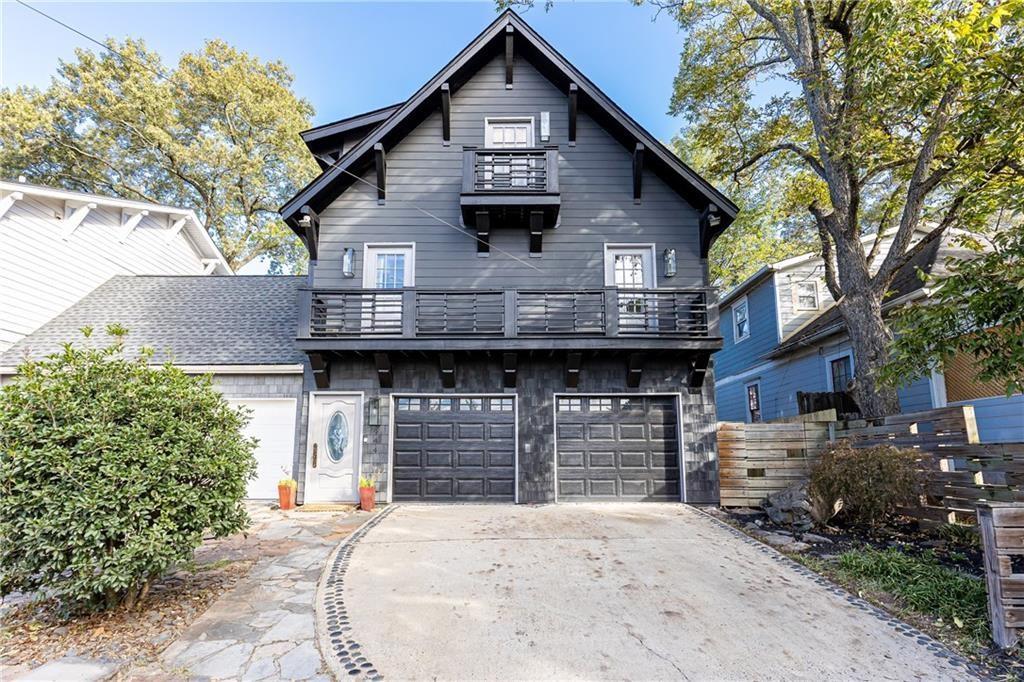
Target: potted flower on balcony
[286,488]
[368,491]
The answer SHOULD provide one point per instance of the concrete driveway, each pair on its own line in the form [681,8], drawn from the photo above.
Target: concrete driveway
[625,591]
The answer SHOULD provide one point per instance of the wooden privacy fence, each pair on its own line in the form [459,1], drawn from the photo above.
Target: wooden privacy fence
[757,459]
[959,472]
[1002,531]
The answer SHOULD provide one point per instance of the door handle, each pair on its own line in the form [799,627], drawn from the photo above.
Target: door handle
[313,463]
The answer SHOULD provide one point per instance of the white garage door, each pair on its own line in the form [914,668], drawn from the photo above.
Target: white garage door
[273,423]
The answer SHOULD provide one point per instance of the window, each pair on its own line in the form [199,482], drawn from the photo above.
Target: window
[600,404]
[471,404]
[439,405]
[501,404]
[740,320]
[503,133]
[630,403]
[807,295]
[841,372]
[570,404]
[408,404]
[754,403]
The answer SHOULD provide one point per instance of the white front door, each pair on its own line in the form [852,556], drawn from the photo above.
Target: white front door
[335,447]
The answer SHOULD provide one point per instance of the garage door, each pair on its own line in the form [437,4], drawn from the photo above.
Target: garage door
[617,448]
[454,448]
[273,424]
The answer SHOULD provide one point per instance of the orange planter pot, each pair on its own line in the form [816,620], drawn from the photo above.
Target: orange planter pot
[367,498]
[286,496]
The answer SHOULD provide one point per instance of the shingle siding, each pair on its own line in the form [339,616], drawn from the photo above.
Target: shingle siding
[595,180]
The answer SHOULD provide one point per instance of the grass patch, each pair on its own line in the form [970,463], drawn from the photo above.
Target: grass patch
[922,585]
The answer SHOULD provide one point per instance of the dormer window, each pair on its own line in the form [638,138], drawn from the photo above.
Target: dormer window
[807,295]
[740,320]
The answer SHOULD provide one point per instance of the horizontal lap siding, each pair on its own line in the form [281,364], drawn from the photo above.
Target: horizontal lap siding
[595,180]
[736,357]
[1000,419]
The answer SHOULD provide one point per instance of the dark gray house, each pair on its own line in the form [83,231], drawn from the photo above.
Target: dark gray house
[508,294]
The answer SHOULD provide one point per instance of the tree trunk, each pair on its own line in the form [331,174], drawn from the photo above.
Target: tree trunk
[870,339]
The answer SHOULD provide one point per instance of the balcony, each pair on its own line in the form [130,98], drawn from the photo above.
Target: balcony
[509,188]
[453,319]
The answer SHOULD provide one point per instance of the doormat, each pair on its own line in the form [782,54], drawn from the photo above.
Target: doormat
[326,507]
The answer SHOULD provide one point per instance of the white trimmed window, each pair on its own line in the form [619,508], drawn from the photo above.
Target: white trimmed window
[740,320]
[807,295]
[570,404]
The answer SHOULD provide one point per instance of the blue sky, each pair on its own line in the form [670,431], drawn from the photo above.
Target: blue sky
[351,57]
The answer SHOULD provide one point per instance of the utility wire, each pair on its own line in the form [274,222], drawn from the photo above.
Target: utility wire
[332,167]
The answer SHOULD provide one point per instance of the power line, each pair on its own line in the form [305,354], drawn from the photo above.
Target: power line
[106,47]
[332,167]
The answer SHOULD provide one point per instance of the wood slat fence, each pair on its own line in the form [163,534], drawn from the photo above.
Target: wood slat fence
[959,472]
[1002,532]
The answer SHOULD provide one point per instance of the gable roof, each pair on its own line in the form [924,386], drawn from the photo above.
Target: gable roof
[189,320]
[906,284]
[329,184]
[198,237]
[330,136]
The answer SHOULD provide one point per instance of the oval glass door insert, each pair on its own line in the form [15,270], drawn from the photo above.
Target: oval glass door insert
[337,436]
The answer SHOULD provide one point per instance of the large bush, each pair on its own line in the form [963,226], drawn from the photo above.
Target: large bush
[865,485]
[111,471]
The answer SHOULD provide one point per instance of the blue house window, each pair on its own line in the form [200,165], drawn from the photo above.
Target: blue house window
[754,402]
[740,320]
[842,372]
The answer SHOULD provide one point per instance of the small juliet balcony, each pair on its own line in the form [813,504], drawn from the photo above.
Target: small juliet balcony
[510,319]
[510,188]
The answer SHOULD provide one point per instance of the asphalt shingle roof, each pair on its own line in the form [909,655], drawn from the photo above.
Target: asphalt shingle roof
[201,320]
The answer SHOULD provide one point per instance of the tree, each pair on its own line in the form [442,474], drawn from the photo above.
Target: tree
[767,229]
[886,117]
[977,311]
[218,134]
[111,471]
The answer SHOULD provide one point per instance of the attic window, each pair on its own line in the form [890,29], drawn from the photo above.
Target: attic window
[741,320]
[807,295]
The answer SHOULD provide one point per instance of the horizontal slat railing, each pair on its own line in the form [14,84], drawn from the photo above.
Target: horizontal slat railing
[439,313]
[510,171]
[568,313]
[460,312]
[662,312]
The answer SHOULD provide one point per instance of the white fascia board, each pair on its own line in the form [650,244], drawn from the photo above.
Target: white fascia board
[239,369]
[209,369]
[8,201]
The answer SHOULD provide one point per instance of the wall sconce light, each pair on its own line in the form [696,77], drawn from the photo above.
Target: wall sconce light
[670,262]
[348,262]
[373,411]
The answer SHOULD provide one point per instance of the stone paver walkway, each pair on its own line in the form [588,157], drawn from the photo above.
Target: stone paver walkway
[264,627]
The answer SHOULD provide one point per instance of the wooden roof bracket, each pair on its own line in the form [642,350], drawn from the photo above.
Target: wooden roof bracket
[446,114]
[574,104]
[382,171]
[638,172]
[509,55]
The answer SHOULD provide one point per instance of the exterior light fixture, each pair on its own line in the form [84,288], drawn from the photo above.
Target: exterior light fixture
[373,411]
[348,263]
[670,262]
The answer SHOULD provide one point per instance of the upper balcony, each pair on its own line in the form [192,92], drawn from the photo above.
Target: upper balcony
[509,319]
[510,187]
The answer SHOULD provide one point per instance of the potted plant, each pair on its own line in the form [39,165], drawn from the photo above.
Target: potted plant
[286,488]
[368,491]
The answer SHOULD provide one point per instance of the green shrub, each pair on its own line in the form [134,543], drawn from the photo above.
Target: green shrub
[865,485]
[111,472]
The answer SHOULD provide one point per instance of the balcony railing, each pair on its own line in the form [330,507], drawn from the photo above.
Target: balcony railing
[510,171]
[509,313]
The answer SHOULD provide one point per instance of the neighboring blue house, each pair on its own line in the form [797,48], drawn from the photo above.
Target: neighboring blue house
[783,334]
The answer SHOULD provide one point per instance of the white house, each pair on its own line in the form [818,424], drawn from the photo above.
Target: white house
[56,246]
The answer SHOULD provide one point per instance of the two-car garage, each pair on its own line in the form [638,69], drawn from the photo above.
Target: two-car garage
[448,448]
